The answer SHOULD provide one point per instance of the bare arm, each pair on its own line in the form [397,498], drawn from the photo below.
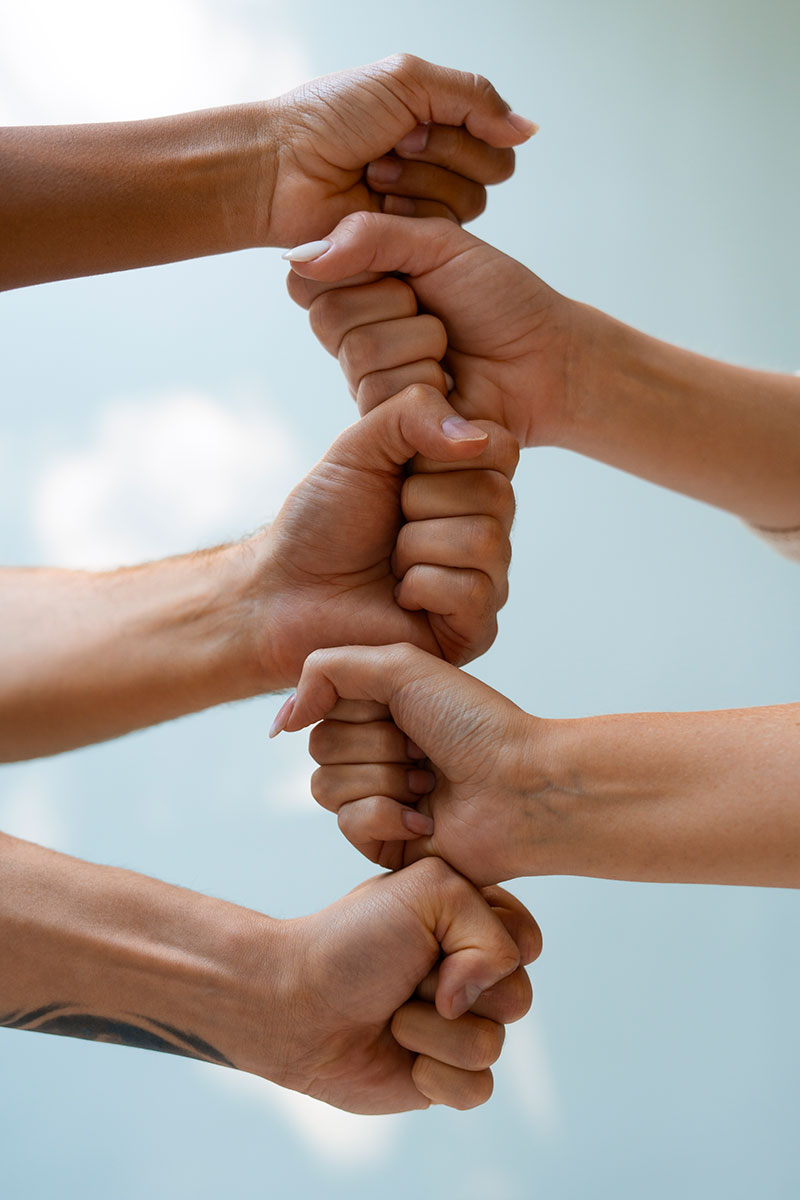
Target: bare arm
[708,797]
[84,199]
[339,1005]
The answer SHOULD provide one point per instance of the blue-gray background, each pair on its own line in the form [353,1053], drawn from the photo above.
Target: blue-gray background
[161,410]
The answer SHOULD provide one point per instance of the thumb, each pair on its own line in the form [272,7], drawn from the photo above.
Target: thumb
[377,242]
[417,421]
[479,951]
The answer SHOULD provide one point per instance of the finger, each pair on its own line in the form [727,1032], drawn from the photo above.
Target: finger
[333,742]
[405,206]
[472,1043]
[419,420]
[455,149]
[505,1002]
[396,822]
[377,347]
[461,604]
[359,711]
[391,176]
[341,783]
[449,97]
[520,923]
[305,291]
[501,453]
[403,677]
[378,386]
[380,242]
[476,542]
[336,311]
[443,1084]
[459,494]
[477,948]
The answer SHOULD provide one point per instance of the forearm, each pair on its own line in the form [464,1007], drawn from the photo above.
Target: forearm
[726,435]
[709,797]
[85,656]
[85,199]
[104,954]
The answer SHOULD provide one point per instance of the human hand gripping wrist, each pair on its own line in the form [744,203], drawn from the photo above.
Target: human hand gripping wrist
[504,336]
[401,135]
[359,553]
[475,754]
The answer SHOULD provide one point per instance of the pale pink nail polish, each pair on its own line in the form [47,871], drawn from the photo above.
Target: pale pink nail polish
[282,716]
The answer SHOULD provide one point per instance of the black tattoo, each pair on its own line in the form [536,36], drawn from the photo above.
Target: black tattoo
[55,1018]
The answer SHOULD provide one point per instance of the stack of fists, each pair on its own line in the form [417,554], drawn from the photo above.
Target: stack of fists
[381,577]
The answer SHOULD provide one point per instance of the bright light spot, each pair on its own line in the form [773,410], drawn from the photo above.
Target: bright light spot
[525,1068]
[162,476]
[89,60]
[29,810]
[337,1137]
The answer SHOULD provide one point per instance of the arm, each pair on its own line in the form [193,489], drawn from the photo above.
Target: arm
[347,1005]
[88,656]
[556,372]
[667,797]
[84,199]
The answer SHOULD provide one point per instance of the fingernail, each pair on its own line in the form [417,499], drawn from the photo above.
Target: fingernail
[459,430]
[451,383]
[308,251]
[522,124]
[421,782]
[398,206]
[385,170]
[464,1000]
[282,716]
[417,822]
[415,141]
[413,750]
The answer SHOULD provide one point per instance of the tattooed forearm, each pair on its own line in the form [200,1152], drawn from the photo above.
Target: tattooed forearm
[132,1030]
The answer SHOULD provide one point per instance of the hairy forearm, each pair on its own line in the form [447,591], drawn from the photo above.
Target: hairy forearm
[85,199]
[723,434]
[104,954]
[708,797]
[88,656]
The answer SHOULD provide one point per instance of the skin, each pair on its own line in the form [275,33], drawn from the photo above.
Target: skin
[392,999]
[401,135]
[551,370]
[359,552]
[665,797]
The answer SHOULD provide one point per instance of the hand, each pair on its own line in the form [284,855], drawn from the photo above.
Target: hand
[377,1020]
[482,777]
[507,333]
[449,131]
[339,565]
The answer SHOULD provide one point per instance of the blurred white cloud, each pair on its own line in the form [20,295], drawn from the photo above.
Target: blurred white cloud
[162,475]
[91,61]
[525,1068]
[336,1137]
[29,809]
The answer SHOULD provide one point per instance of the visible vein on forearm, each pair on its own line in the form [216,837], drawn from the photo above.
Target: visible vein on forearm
[67,1020]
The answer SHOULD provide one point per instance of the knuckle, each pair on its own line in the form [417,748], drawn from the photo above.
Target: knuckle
[435,336]
[505,164]
[321,788]
[372,390]
[355,353]
[485,1044]
[324,317]
[419,393]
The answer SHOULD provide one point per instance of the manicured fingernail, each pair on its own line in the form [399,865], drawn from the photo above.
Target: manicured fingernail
[459,430]
[522,124]
[415,141]
[417,822]
[282,716]
[308,251]
[385,170]
[421,782]
[413,750]
[398,206]
[451,383]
